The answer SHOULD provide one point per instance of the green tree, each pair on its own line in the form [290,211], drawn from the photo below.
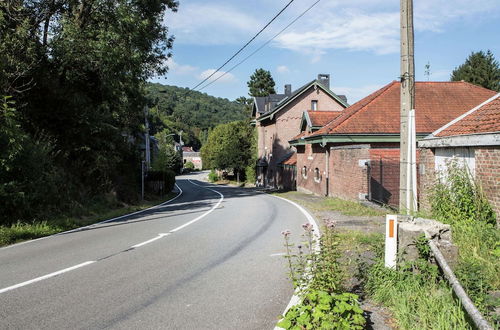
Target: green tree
[480,69]
[229,147]
[261,83]
[167,158]
[246,103]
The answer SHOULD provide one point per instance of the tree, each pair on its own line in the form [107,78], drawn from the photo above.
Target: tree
[246,103]
[167,158]
[229,146]
[480,69]
[261,83]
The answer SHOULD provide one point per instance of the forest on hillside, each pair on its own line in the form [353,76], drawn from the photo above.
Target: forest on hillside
[174,108]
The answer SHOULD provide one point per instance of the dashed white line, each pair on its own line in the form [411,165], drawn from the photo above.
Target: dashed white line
[161,235]
[41,278]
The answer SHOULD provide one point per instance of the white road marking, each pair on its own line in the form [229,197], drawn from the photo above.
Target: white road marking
[41,278]
[97,223]
[277,254]
[161,235]
[150,240]
[204,214]
[295,298]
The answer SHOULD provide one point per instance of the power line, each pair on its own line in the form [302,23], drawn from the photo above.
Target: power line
[244,46]
[262,46]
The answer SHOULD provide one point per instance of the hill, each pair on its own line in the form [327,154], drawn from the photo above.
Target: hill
[175,108]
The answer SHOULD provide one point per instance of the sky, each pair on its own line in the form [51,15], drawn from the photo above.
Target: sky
[355,41]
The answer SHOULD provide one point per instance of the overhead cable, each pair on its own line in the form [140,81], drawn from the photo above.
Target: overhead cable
[244,46]
[262,46]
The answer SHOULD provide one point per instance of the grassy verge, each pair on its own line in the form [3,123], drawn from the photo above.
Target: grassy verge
[89,214]
[416,294]
[334,204]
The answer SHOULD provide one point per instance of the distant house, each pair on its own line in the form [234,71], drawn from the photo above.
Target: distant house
[356,155]
[189,155]
[472,139]
[278,118]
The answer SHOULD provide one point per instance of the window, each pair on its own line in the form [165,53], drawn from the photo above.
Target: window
[314,105]
[317,176]
[304,172]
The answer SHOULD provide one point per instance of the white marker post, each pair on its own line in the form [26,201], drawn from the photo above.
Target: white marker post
[391,240]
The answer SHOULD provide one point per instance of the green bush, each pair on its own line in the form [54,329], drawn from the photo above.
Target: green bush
[318,276]
[212,176]
[189,166]
[323,310]
[250,175]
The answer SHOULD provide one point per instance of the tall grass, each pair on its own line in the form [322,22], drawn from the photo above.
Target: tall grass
[458,200]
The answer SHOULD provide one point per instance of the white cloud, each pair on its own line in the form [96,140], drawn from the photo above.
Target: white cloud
[373,26]
[282,69]
[223,77]
[210,24]
[354,94]
[180,69]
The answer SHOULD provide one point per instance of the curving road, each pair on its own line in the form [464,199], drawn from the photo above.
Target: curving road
[210,259]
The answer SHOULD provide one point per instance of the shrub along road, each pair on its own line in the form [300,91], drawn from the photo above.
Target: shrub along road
[208,260]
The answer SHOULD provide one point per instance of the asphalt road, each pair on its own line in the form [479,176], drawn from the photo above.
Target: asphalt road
[210,259]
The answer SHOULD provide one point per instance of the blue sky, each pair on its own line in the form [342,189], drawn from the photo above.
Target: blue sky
[355,41]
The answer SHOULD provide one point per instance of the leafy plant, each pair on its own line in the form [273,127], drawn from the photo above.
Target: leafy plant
[458,200]
[323,310]
[317,275]
[213,176]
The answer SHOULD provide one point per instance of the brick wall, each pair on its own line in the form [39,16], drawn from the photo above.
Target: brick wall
[384,175]
[273,135]
[347,178]
[488,173]
[312,158]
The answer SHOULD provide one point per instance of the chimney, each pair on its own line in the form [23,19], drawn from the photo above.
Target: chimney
[324,79]
[288,90]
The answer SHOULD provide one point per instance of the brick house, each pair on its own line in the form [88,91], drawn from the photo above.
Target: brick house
[278,118]
[356,155]
[474,140]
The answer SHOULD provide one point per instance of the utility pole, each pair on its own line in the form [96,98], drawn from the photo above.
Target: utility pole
[146,139]
[407,184]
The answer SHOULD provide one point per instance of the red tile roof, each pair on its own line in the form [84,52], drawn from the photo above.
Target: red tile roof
[292,160]
[436,104]
[302,134]
[321,118]
[482,119]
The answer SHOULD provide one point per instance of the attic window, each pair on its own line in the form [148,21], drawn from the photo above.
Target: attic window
[314,105]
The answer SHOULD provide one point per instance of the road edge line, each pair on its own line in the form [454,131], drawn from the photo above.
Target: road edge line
[295,299]
[93,224]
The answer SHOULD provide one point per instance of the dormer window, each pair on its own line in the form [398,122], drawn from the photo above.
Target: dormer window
[314,105]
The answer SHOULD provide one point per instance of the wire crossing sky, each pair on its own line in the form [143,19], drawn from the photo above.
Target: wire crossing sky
[245,45]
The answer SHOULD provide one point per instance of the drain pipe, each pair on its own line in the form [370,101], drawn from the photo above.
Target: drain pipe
[467,303]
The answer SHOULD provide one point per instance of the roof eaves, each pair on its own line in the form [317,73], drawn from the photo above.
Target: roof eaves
[454,121]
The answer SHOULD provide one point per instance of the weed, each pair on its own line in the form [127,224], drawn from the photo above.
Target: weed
[459,201]
[318,276]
